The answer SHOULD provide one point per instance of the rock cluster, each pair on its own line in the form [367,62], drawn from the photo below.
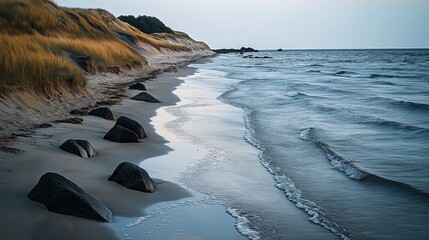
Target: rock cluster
[232,50]
[62,196]
[126,130]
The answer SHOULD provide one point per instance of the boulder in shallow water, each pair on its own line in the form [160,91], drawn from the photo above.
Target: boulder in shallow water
[121,134]
[103,112]
[144,96]
[62,196]
[133,177]
[72,146]
[138,86]
[132,125]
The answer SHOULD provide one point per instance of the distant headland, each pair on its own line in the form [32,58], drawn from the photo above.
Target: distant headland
[233,50]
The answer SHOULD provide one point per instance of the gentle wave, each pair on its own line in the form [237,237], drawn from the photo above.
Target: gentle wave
[338,162]
[353,172]
[285,184]
[403,103]
[412,105]
[351,74]
[394,124]
[296,94]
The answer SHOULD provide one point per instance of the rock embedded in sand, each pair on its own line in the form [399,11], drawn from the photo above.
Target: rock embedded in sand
[133,177]
[144,96]
[138,86]
[62,196]
[132,125]
[81,148]
[103,112]
[121,134]
[88,147]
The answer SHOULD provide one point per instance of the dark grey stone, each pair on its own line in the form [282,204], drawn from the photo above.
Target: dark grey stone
[88,147]
[103,112]
[121,134]
[132,125]
[62,196]
[138,86]
[144,96]
[133,177]
[72,146]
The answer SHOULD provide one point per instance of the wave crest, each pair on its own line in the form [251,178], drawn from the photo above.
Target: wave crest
[338,162]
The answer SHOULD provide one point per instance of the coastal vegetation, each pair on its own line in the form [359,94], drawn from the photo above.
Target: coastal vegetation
[146,24]
[40,40]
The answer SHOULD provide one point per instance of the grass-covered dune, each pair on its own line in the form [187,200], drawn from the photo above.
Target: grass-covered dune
[39,42]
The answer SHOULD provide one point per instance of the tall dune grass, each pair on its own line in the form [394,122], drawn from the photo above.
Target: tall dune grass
[26,64]
[38,40]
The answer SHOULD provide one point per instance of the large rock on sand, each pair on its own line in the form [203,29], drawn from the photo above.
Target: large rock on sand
[103,112]
[132,125]
[121,134]
[81,148]
[138,86]
[133,177]
[144,96]
[62,196]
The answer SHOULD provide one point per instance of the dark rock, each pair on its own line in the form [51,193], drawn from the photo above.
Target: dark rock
[88,147]
[86,63]
[62,196]
[232,50]
[132,125]
[144,96]
[133,177]
[121,134]
[72,146]
[81,148]
[103,112]
[279,50]
[138,86]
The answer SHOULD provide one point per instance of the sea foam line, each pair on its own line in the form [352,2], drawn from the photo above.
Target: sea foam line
[242,225]
[285,184]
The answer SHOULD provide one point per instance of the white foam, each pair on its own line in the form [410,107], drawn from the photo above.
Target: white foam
[242,225]
[285,183]
[138,221]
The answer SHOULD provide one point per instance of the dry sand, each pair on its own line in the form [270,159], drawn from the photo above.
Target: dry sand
[24,219]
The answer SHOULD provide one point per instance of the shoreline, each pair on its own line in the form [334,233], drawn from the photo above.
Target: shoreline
[24,219]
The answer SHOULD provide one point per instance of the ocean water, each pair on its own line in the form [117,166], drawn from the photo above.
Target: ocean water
[342,134]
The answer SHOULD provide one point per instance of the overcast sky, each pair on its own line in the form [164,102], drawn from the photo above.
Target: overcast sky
[288,24]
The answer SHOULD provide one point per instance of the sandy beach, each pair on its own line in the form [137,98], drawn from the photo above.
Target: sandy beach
[167,158]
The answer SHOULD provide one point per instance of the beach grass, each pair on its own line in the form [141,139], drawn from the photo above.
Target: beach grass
[39,40]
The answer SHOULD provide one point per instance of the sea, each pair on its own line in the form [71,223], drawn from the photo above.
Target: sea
[312,144]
